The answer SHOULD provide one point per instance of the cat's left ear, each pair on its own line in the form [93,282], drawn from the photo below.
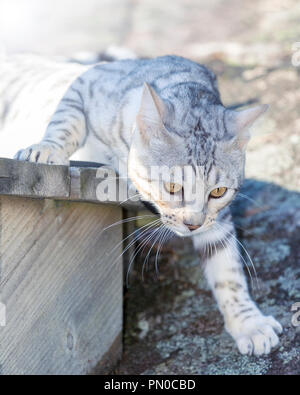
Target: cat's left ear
[239,122]
[151,113]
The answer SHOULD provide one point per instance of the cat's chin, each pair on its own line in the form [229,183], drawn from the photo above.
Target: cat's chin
[187,233]
[182,233]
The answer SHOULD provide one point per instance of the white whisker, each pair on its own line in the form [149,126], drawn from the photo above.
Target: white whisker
[163,236]
[252,264]
[243,260]
[130,197]
[250,199]
[152,237]
[123,221]
[144,242]
[153,244]
[148,226]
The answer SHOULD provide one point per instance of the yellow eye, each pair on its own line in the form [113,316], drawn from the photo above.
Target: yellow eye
[172,187]
[218,192]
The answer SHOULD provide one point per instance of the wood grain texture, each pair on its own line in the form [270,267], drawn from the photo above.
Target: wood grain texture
[32,180]
[61,284]
[18,178]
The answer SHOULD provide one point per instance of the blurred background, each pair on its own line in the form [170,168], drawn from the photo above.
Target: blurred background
[249,45]
[172,325]
[248,32]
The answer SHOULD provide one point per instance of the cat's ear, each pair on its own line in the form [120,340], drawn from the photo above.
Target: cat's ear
[239,122]
[151,112]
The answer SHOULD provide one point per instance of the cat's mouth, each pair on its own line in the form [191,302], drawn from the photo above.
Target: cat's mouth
[184,231]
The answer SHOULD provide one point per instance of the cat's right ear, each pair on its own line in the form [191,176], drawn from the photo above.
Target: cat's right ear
[150,116]
[239,122]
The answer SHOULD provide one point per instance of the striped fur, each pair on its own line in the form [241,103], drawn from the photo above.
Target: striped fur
[141,113]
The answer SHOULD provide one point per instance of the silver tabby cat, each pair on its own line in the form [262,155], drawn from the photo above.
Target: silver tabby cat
[161,112]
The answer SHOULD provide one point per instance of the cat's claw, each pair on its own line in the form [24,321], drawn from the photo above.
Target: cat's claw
[257,335]
[42,153]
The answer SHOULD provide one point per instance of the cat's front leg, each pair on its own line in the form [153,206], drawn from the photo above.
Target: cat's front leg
[253,332]
[43,153]
[66,132]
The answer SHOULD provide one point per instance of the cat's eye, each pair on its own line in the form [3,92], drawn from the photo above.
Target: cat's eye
[172,187]
[218,192]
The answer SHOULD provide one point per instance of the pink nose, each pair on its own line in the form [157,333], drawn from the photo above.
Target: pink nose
[192,227]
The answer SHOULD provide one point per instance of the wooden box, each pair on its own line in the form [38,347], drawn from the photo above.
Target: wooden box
[61,274]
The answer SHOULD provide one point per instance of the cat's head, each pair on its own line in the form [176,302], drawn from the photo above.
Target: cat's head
[204,150]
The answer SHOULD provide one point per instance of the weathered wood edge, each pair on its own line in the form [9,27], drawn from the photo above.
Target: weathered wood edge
[110,359]
[75,183]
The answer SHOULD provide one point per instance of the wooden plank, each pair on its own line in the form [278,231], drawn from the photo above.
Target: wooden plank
[18,178]
[32,180]
[85,181]
[61,285]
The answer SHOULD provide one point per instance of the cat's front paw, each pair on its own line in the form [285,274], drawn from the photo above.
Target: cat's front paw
[42,153]
[256,335]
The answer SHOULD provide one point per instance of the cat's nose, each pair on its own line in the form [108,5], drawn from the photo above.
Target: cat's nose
[192,227]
